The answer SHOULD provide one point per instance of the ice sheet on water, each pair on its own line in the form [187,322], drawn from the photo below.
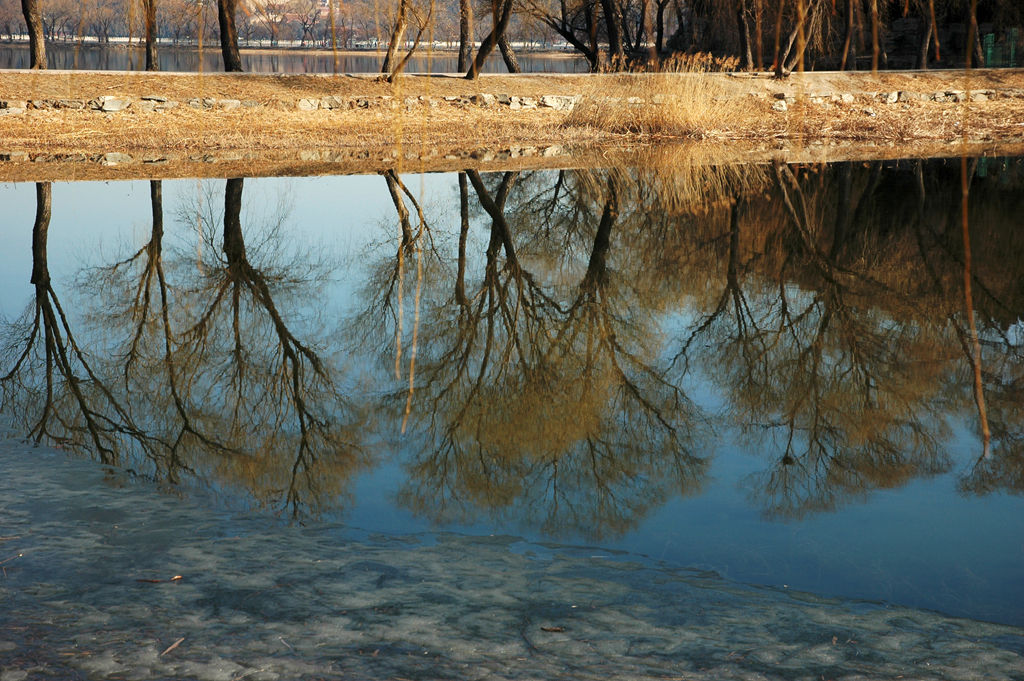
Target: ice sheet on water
[261,599]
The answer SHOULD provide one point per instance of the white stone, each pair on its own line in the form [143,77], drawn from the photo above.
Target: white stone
[115,158]
[110,103]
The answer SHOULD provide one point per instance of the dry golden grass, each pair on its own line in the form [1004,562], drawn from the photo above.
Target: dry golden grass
[673,104]
[715,107]
[184,128]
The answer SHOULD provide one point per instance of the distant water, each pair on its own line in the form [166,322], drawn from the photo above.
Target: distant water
[120,58]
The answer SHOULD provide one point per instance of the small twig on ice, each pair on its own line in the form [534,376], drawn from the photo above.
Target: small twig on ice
[173,646]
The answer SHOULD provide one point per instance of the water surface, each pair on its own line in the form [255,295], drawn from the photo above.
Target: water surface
[180,58]
[690,419]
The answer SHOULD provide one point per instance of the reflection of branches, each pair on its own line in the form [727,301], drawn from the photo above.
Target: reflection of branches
[839,388]
[76,406]
[275,379]
[542,406]
[216,369]
[133,280]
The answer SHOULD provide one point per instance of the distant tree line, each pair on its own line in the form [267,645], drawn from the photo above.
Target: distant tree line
[610,34]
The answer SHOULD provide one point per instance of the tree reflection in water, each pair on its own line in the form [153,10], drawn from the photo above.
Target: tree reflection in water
[219,383]
[835,349]
[536,360]
[52,384]
[539,393]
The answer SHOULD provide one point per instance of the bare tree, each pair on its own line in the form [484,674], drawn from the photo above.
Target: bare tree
[32,11]
[152,61]
[226,10]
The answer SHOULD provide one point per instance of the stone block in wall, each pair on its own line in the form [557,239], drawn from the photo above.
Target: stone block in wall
[115,158]
[333,102]
[110,103]
[558,102]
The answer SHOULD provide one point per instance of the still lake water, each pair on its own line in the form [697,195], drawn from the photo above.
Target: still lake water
[699,422]
[93,57]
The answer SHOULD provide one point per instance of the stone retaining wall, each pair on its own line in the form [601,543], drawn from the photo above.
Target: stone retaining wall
[782,101]
[154,103]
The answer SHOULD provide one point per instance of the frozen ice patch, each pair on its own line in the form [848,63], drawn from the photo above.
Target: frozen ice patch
[95,596]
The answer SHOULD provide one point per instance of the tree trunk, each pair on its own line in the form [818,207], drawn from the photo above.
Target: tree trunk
[744,29]
[641,31]
[922,59]
[488,43]
[758,35]
[152,63]
[786,56]
[659,27]
[595,46]
[976,39]
[36,41]
[611,20]
[511,63]
[465,34]
[875,47]
[228,35]
[850,27]
[396,36]
[779,70]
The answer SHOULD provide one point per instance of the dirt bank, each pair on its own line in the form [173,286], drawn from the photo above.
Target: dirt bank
[112,118]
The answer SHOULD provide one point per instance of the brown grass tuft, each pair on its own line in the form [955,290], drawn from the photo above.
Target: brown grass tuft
[686,102]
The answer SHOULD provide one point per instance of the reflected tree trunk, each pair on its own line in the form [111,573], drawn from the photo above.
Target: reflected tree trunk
[69,381]
[495,207]
[974,351]
[460,277]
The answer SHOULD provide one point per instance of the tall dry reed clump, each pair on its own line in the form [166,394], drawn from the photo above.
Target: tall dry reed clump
[676,98]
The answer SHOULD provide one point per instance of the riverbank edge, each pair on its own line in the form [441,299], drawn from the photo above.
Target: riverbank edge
[104,125]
